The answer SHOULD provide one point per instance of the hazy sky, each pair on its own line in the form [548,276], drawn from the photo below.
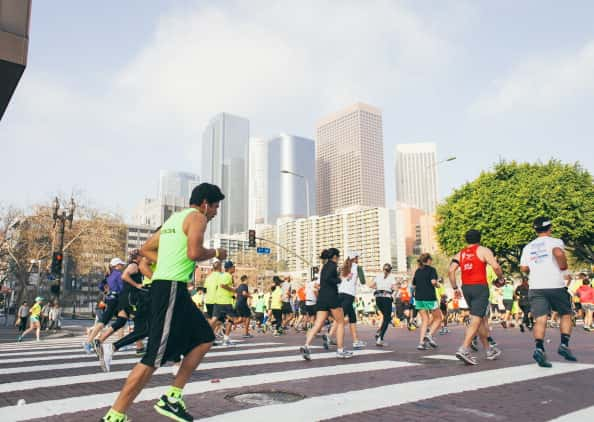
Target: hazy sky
[117,90]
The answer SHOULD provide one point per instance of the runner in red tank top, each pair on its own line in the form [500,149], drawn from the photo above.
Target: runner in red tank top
[474,270]
[473,260]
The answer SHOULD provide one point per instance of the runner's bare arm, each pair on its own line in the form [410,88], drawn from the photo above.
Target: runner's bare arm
[454,265]
[525,269]
[145,268]
[487,256]
[560,257]
[194,227]
[151,247]
[131,269]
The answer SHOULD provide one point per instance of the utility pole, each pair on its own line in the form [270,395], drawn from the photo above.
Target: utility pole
[60,216]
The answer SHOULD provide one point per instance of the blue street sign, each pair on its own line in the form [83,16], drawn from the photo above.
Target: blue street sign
[263,250]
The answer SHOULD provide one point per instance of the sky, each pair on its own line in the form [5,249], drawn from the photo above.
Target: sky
[116,91]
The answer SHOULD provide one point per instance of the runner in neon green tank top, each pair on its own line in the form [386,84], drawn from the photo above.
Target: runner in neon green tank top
[176,325]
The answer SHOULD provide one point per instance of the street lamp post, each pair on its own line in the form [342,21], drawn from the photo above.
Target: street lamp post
[447,160]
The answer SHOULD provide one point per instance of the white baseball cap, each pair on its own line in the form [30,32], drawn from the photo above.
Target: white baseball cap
[353,255]
[116,261]
[215,261]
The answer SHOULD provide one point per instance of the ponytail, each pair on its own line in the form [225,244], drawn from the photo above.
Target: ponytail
[423,259]
[346,267]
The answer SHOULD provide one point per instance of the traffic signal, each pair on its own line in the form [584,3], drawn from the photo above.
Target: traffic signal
[57,259]
[252,238]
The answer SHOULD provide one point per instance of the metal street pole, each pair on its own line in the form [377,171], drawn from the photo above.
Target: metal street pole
[61,218]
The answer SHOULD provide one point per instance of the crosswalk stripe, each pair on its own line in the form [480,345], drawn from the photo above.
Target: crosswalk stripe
[586,414]
[337,405]
[82,355]
[73,365]
[110,376]
[96,401]
[440,357]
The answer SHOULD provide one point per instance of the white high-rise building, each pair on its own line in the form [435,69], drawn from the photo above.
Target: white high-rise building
[258,182]
[416,176]
[350,159]
[291,178]
[225,161]
[176,186]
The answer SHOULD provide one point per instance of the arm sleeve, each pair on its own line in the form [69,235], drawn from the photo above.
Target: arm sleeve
[361,274]
[524,258]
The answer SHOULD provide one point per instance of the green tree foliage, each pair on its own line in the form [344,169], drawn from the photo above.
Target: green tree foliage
[502,204]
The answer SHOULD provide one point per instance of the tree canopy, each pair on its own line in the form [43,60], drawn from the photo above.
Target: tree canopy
[502,204]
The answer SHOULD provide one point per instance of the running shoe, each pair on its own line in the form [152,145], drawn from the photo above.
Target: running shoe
[305,352]
[175,410]
[247,336]
[111,418]
[474,344]
[493,343]
[87,347]
[107,356]
[522,327]
[566,353]
[541,358]
[19,339]
[380,343]
[493,353]
[276,334]
[332,341]
[442,332]
[326,341]
[227,342]
[422,346]
[345,354]
[359,344]
[465,356]
[429,340]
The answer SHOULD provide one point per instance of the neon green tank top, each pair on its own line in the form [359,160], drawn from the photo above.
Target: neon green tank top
[148,281]
[172,260]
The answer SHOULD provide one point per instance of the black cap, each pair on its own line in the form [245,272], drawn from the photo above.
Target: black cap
[542,224]
[229,264]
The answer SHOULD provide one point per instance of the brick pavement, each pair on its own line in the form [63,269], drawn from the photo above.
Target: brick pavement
[541,398]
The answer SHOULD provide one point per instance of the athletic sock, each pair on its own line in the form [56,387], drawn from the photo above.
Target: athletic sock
[340,350]
[565,339]
[114,415]
[174,392]
[539,344]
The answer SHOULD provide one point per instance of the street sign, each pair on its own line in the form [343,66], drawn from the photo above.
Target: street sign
[264,251]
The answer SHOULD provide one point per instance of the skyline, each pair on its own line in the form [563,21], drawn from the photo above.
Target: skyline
[483,81]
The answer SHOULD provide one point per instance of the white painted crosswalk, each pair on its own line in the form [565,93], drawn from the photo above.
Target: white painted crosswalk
[252,364]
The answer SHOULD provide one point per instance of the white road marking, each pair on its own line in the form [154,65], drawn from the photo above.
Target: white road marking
[441,357]
[109,376]
[97,401]
[82,355]
[586,414]
[53,367]
[337,405]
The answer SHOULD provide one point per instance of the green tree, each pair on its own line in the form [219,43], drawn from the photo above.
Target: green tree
[502,204]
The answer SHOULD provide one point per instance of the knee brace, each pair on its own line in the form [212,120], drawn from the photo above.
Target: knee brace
[119,323]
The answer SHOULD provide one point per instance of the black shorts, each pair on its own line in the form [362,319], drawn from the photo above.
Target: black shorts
[310,310]
[111,309]
[346,301]
[508,304]
[494,308]
[259,317]
[176,325]
[302,308]
[326,302]
[477,298]
[543,301]
[243,310]
[286,308]
[222,312]
[209,310]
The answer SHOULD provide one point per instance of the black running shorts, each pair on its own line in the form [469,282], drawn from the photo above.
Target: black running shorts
[286,309]
[310,310]
[243,310]
[543,301]
[222,312]
[477,298]
[111,309]
[346,301]
[209,310]
[176,325]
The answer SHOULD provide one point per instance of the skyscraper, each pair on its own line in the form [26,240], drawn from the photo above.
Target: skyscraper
[289,194]
[258,181]
[225,158]
[350,159]
[176,186]
[416,176]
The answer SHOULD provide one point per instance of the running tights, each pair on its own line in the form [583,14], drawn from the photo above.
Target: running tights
[278,319]
[384,304]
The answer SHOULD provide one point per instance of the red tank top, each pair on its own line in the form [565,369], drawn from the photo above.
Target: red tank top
[474,271]
[404,294]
